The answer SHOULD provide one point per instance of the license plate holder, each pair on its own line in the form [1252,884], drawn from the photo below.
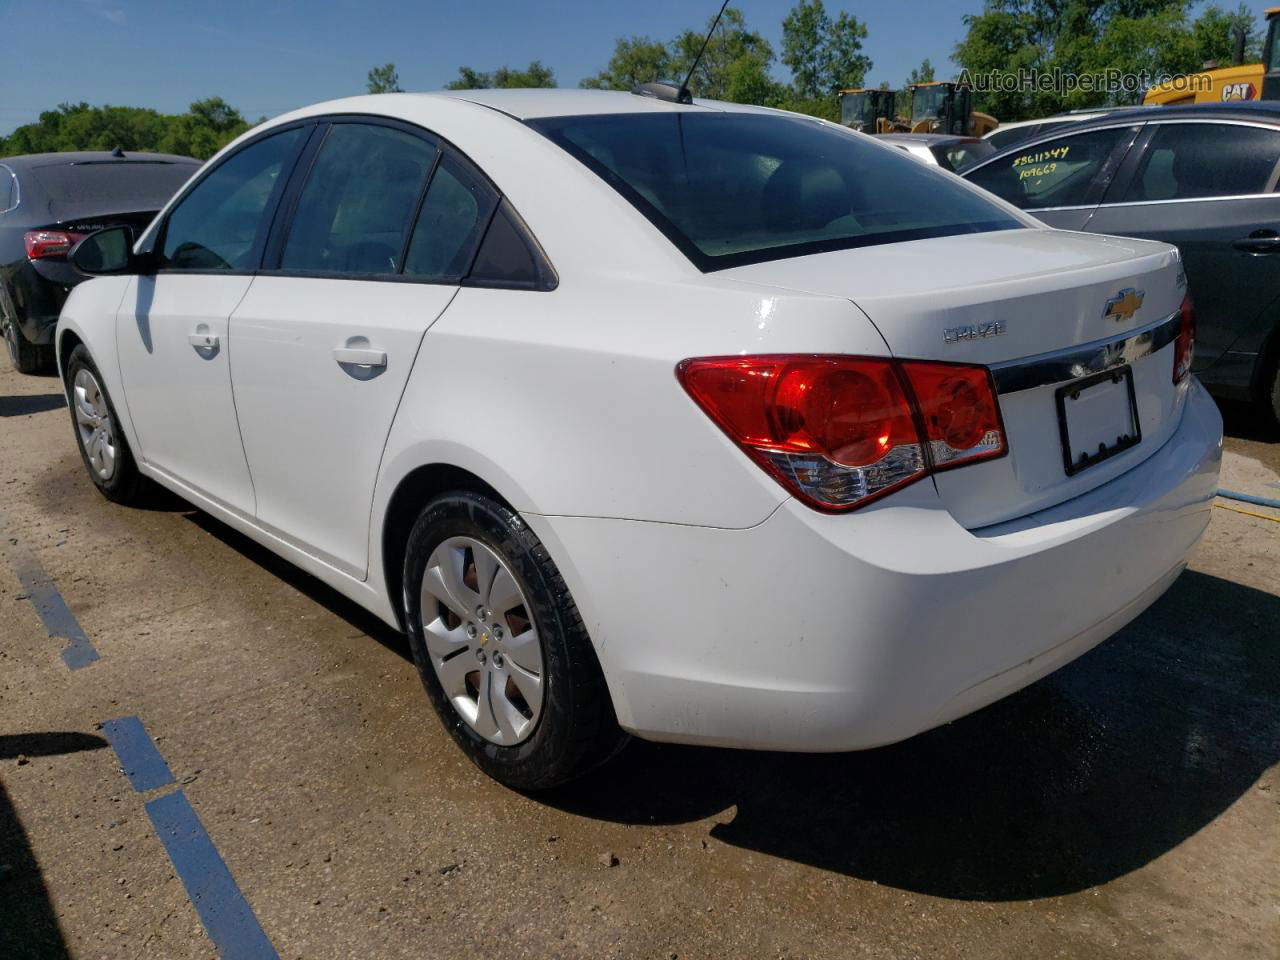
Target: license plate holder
[1097,418]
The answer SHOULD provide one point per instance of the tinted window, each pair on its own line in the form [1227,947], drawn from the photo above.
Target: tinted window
[359,199]
[8,190]
[1004,138]
[1186,160]
[111,186]
[1053,173]
[961,156]
[215,226]
[454,214]
[508,257]
[732,188]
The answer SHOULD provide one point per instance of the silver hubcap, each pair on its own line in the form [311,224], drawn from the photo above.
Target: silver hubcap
[482,641]
[93,421]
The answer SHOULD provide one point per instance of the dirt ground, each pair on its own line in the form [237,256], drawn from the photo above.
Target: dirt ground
[1127,806]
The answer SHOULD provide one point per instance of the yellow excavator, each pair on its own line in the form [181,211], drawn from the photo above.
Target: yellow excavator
[946,107]
[1251,81]
[869,110]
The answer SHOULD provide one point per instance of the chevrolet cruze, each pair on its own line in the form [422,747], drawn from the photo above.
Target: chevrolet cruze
[694,421]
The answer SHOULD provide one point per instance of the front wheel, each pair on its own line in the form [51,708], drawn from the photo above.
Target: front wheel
[501,648]
[26,357]
[103,448]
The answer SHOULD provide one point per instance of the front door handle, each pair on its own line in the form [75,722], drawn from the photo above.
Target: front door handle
[203,341]
[360,357]
[1260,241]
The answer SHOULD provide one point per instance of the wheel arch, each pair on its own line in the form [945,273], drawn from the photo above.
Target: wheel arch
[414,490]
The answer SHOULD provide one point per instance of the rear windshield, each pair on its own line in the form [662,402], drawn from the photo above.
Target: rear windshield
[734,188]
[117,186]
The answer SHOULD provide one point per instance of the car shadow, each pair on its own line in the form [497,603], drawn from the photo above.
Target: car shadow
[23,405]
[28,922]
[1083,777]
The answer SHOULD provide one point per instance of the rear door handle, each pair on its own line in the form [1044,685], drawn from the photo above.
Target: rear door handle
[1260,241]
[360,357]
[203,341]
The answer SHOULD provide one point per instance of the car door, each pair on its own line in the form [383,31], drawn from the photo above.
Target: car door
[1058,180]
[171,328]
[1210,189]
[323,342]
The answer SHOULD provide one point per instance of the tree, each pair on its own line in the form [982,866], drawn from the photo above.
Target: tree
[735,57]
[384,79]
[635,60]
[824,56]
[535,75]
[1088,37]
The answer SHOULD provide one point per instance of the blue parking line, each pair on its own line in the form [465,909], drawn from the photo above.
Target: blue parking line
[53,610]
[137,753]
[226,915]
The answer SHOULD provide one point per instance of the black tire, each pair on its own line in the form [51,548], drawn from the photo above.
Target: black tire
[576,728]
[26,357]
[1271,392]
[125,484]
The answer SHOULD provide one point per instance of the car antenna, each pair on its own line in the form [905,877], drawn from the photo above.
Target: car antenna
[680,94]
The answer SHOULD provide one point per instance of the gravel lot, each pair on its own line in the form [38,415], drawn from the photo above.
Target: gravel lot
[1127,806]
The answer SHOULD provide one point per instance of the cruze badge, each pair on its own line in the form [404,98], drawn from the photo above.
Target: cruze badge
[1124,304]
[974,331]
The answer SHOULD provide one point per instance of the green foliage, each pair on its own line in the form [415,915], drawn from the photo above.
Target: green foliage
[384,79]
[825,56]
[1138,37]
[535,75]
[207,127]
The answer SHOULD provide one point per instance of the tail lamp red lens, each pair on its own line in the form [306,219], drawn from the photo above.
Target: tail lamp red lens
[50,244]
[1185,346]
[838,432]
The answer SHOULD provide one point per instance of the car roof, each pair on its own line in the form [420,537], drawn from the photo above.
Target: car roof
[533,103]
[28,161]
[1266,110]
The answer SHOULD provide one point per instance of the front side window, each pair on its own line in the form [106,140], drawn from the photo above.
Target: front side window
[1054,173]
[731,188]
[1184,161]
[360,197]
[219,224]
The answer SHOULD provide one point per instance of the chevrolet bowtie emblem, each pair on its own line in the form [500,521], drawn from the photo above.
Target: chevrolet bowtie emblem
[1124,305]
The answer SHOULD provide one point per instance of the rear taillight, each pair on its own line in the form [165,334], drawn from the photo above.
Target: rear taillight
[50,244]
[1184,347]
[838,432]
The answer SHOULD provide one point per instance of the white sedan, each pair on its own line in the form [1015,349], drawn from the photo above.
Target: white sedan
[699,422]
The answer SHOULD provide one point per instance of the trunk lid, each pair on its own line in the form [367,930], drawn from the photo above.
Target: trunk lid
[1022,302]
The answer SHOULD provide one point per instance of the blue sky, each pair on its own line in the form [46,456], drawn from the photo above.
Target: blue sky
[268,56]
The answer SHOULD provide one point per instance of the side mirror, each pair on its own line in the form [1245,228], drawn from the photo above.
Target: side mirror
[106,252]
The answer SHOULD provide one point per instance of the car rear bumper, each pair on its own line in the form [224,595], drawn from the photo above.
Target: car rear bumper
[815,632]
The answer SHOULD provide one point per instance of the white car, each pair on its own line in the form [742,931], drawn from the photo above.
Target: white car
[703,423]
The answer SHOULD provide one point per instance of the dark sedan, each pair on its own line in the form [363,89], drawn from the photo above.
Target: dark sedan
[1201,177]
[48,202]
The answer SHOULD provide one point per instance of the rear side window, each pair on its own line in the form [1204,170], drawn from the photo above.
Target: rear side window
[732,188]
[1184,161]
[219,224]
[354,212]
[8,190]
[454,214]
[1066,172]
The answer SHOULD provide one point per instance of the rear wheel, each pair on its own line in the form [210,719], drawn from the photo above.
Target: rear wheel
[102,445]
[1271,399]
[26,357]
[501,647]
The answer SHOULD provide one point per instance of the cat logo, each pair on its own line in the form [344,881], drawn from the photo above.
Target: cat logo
[1124,304]
[1239,91]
